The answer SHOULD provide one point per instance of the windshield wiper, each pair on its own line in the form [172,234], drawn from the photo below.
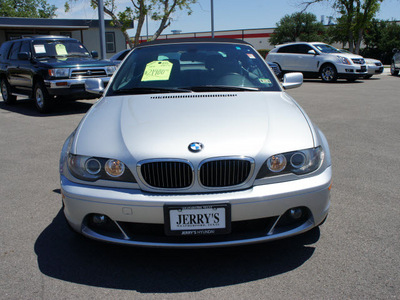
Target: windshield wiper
[46,57]
[151,90]
[217,88]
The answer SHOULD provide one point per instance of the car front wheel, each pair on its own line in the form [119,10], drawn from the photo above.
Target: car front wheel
[41,98]
[393,70]
[328,73]
[8,98]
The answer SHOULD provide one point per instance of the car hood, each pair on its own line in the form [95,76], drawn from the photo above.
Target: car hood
[348,55]
[138,127]
[72,62]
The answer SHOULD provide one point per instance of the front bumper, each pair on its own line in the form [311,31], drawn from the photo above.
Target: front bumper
[352,71]
[126,207]
[375,70]
[73,88]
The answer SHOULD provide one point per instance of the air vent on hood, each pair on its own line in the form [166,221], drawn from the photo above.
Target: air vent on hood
[194,96]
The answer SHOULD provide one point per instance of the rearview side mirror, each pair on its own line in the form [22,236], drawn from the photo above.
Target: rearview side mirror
[292,80]
[95,54]
[94,86]
[312,52]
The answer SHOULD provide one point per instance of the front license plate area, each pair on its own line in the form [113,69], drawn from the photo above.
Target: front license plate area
[197,220]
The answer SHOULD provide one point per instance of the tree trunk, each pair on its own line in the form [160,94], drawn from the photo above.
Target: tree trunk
[139,28]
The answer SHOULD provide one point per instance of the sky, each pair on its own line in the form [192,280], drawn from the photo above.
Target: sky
[228,14]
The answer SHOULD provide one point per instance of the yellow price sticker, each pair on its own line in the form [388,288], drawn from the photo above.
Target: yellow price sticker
[157,70]
[61,50]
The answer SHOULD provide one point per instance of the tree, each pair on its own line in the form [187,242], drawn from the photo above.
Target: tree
[161,11]
[27,9]
[356,15]
[380,38]
[298,26]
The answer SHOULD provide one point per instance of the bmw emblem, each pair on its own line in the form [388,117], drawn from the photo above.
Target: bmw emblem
[195,147]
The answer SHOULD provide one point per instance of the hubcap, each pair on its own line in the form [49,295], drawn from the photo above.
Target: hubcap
[4,92]
[39,98]
[327,74]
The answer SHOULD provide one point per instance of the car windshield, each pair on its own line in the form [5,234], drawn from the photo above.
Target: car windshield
[326,48]
[193,67]
[59,48]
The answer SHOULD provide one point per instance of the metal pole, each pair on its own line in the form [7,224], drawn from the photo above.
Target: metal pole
[212,18]
[102,30]
[147,26]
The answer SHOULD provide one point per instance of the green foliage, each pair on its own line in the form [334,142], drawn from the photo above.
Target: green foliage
[27,9]
[263,52]
[380,38]
[160,10]
[298,27]
[355,17]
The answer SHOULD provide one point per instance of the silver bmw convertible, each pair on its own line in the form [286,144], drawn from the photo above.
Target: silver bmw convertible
[195,143]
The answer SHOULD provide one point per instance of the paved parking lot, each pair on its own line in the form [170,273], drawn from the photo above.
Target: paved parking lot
[354,255]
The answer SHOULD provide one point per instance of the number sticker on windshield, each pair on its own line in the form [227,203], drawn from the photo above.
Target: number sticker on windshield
[157,70]
[265,81]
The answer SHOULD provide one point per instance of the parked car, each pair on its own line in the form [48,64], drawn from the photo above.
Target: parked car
[395,65]
[374,66]
[49,67]
[195,143]
[117,58]
[318,60]
[276,69]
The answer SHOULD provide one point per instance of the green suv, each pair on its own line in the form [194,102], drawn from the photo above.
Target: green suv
[46,68]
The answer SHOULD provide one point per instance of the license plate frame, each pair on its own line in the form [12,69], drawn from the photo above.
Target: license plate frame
[197,219]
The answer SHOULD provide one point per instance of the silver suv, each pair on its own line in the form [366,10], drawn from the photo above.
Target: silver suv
[318,60]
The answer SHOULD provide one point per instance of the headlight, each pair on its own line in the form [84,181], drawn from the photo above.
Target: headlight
[110,70]
[297,162]
[59,72]
[95,168]
[344,60]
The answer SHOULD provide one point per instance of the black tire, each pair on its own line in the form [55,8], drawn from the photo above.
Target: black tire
[393,70]
[5,87]
[328,73]
[41,97]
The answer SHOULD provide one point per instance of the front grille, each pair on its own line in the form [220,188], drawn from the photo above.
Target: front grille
[378,64]
[167,174]
[359,61]
[88,73]
[224,173]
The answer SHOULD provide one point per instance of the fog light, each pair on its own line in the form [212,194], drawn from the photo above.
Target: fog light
[296,213]
[99,219]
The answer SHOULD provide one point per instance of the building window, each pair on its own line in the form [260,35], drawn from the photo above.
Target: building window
[110,42]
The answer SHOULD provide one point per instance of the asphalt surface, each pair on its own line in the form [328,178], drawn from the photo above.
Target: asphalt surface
[354,255]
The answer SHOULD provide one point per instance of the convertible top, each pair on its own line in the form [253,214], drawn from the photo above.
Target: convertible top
[192,40]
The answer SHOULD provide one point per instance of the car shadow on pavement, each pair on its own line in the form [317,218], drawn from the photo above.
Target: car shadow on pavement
[339,81]
[27,107]
[68,256]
